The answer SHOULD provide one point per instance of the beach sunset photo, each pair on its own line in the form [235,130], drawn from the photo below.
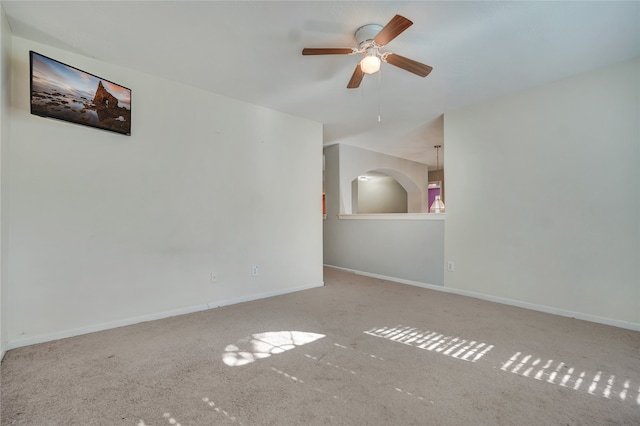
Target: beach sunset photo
[67,93]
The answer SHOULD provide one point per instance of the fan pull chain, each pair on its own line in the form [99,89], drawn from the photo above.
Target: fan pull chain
[379,80]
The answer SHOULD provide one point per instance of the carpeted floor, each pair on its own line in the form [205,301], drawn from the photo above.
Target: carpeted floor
[358,351]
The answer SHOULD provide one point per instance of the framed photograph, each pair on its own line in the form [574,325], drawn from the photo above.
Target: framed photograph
[66,93]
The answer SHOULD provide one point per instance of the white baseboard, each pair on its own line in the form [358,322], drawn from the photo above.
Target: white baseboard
[13,344]
[540,308]
[386,278]
[235,300]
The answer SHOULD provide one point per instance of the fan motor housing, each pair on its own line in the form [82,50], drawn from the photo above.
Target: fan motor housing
[366,33]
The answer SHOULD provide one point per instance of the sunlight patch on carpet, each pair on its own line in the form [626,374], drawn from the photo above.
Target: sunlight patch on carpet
[405,392]
[368,355]
[329,364]
[170,419]
[315,388]
[378,383]
[219,410]
[456,347]
[558,373]
[263,345]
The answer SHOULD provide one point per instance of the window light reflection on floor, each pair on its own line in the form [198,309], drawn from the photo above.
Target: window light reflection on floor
[456,347]
[558,373]
[315,388]
[170,419]
[219,410]
[263,345]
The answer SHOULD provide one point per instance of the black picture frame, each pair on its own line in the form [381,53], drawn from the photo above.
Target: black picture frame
[66,93]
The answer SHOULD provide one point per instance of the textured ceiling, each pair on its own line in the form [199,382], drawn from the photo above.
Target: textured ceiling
[251,51]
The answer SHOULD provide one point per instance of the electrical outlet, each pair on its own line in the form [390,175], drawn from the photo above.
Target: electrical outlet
[451,266]
[254,271]
[214,277]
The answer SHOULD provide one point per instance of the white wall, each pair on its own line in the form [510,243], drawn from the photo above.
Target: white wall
[411,175]
[107,229]
[562,164]
[403,247]
[5,102]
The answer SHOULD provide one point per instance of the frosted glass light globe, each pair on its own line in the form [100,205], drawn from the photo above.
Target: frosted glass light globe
[370,64]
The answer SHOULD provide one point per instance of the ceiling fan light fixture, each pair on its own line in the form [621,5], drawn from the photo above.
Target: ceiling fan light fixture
[371,38]
[370,64]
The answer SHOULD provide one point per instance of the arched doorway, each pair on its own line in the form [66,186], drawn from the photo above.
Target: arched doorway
[377,192]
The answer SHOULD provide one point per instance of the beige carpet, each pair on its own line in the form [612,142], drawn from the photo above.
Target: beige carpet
[358,351]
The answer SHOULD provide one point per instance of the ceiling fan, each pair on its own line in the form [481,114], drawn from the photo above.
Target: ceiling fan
[371,38]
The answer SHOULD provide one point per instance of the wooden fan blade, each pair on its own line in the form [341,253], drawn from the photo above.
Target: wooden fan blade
[356,78]
[408,64]
[392,30]
[327,51]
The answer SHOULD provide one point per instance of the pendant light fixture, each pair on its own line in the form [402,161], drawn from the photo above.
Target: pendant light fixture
[438,205]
